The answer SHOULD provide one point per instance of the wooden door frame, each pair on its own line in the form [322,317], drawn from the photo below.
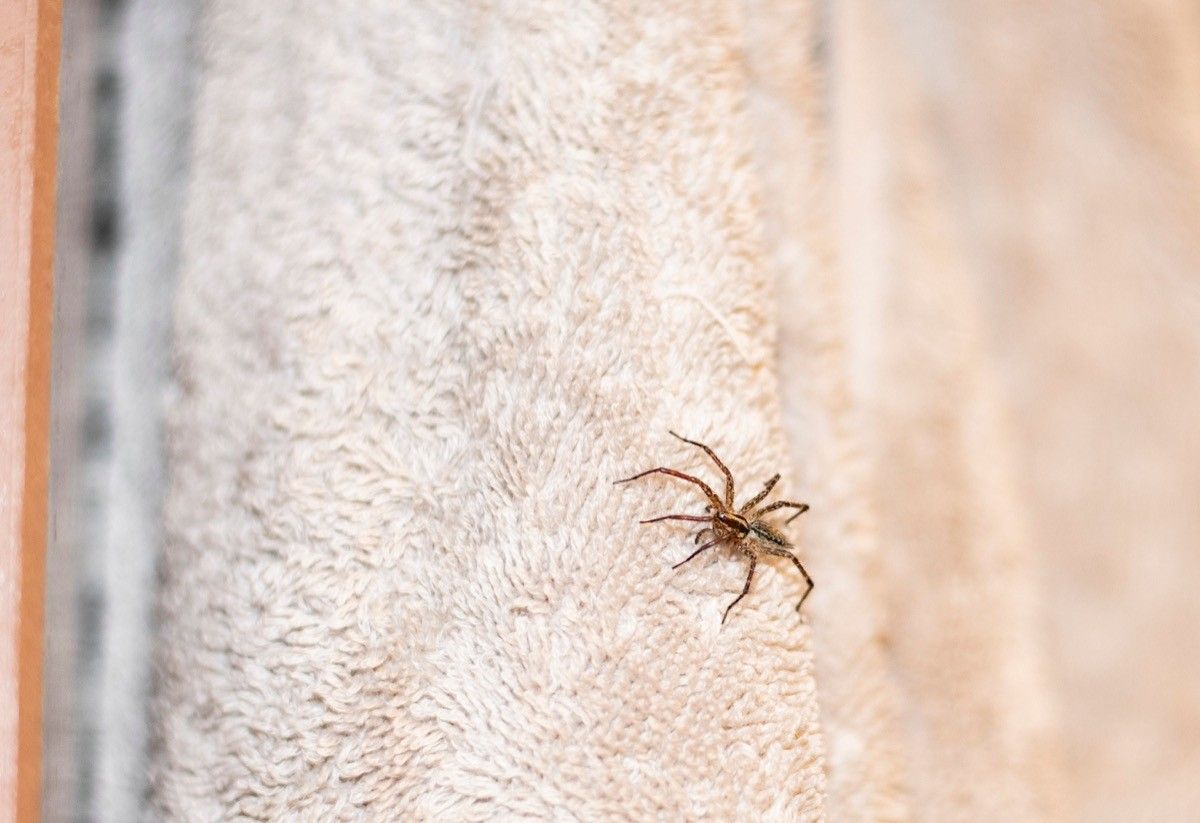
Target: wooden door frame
[29,62]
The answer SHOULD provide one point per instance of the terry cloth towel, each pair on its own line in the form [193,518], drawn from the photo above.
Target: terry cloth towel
[449,271]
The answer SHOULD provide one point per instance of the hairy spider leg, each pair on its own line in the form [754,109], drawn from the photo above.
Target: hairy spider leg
[758,498]
[708,492]
[700,533]
[801,508]
[753,562]
[707,545]
[691,517]
[724,469]
[803,571]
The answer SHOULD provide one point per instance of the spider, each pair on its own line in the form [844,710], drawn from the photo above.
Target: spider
[742,527]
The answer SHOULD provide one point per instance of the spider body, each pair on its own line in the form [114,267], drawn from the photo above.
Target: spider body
[742,528]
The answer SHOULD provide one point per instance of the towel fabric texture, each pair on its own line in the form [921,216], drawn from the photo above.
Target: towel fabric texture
[437,295]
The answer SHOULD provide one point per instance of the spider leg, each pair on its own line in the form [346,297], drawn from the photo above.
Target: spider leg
[707,545]
[708,492]
[758,498]
[724,469]
[700,534]
[803,571]
[800,508]
[691,517]
[746,588]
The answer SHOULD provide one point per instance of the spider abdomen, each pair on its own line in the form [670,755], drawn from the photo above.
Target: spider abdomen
[764,532]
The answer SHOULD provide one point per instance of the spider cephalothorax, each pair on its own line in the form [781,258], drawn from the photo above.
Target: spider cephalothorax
[743,527]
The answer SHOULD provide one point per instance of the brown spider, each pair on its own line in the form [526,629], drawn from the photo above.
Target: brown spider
[743,527]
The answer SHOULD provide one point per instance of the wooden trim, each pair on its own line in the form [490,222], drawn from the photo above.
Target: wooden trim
[34,520]
[29,57]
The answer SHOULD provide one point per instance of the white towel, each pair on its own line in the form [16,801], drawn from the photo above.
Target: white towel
[450,271]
